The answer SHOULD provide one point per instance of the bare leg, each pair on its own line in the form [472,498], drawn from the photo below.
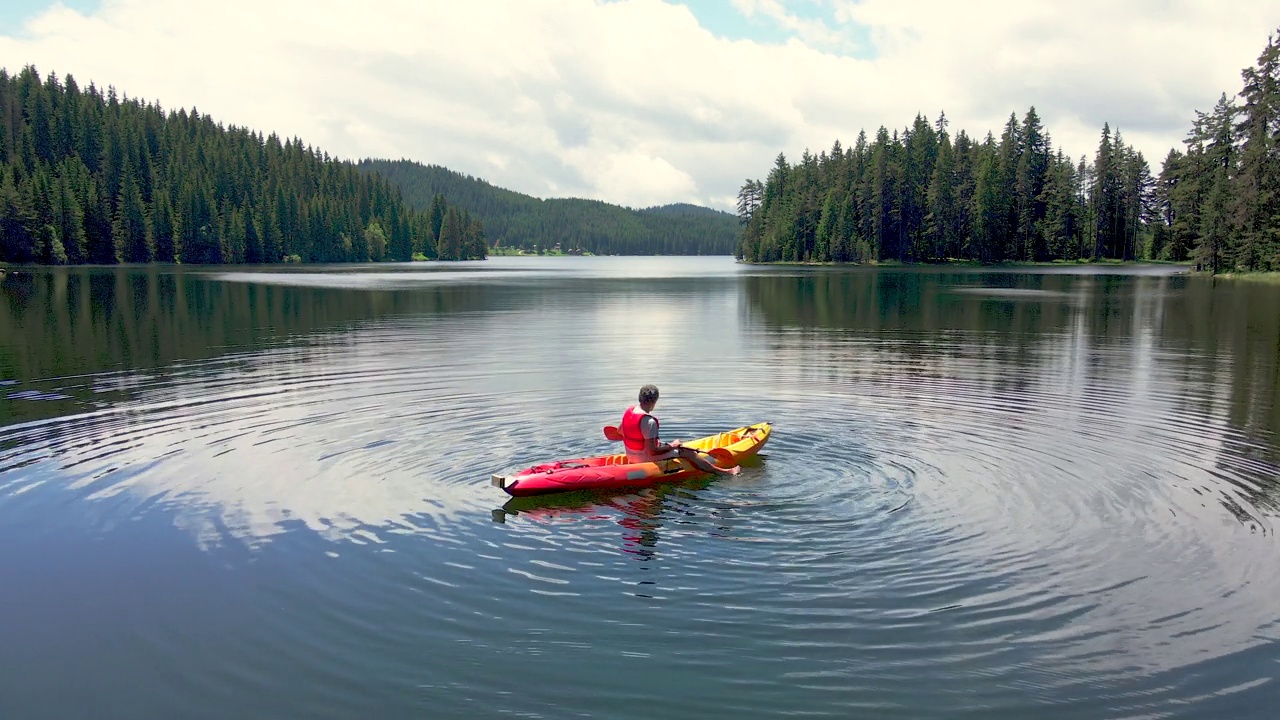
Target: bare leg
[704,465]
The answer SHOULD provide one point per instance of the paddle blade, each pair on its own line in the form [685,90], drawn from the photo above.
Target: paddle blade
[612,433]
[724,458]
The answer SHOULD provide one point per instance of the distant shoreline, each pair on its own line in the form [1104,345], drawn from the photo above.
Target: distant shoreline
[1190,267]
[1187,268]
[1269,277]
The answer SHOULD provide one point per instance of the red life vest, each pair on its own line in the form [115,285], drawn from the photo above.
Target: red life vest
[632,438]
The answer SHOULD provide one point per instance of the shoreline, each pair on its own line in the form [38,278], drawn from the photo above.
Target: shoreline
[1189,266]
[509,252]
[1257,276]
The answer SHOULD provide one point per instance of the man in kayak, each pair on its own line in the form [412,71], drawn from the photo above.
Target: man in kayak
[639,430]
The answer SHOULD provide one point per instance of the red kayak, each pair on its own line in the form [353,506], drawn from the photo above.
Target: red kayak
[608,472]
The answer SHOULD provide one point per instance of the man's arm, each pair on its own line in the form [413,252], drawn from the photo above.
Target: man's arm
[649,428]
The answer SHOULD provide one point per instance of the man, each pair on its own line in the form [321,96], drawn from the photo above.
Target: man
[640,436]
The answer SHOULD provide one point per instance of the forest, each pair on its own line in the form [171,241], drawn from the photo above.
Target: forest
[515,220]
[920,195]
[94,177]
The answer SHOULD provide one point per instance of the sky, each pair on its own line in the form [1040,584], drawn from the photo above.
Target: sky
[647,102]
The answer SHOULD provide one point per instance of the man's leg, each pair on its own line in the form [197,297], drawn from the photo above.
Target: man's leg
[702,463]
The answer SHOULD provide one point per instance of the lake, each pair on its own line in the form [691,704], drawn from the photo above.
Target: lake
[264,492]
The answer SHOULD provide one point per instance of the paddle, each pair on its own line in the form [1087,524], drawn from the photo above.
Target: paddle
[726,456]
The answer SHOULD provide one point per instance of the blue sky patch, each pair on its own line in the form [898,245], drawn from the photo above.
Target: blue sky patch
[15,13]
[726,21]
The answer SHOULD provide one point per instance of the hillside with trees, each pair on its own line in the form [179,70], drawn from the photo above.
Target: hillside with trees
[515,220]
[93,177]
[922,195]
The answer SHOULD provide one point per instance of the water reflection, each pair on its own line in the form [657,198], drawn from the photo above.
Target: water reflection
[85,340]
[1188,363]
[640,513]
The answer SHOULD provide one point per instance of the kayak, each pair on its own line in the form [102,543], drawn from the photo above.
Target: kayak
[607,472]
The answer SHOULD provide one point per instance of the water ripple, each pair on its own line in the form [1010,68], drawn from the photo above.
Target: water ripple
[948,521]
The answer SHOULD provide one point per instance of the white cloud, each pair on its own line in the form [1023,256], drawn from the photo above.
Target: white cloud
[634,102]
[810,30]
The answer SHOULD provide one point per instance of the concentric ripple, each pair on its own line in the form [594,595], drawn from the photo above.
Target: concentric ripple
[987,495]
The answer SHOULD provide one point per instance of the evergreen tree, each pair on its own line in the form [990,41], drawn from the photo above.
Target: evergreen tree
[401,243]
[1255,192]
[16,242]
[131,231]
[450,245]
[1212,150]
[164,229]
[99,236]
[436,214]
[989,207]
[70,222]
[476,243]
[1060,226]
[1032,175]
[942,230]
[749,197]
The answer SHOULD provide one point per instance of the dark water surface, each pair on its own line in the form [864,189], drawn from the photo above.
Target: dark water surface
[262,494]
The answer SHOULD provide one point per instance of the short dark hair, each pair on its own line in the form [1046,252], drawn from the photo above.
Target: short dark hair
[648,394]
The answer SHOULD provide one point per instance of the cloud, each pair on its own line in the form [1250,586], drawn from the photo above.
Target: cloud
[635,101]
[812,31]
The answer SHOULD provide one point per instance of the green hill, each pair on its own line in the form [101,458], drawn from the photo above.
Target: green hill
[683,209]
[512,219]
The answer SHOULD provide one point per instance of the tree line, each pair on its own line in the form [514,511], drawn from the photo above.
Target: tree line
[515,220]
[88,177]
[921,196]
[1219,199]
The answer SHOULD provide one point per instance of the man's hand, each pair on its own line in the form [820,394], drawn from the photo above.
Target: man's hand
[674,443]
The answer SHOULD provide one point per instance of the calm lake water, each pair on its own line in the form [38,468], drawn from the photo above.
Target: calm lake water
[243,493]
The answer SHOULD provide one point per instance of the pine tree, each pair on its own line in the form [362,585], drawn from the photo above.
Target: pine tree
[1103,196]
[749,197]
[989,207]
[1255,191]
[41,205]
[99,236]
[450,245]
[16,242]
[436,214]
[401,244]
[1031,176]
[1059,228]
[1212,150]
[254,248]
[164,229]
[70,222]
[477,245]
[941,228]
[130,229]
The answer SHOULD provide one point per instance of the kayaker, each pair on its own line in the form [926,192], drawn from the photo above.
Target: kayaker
[639,430]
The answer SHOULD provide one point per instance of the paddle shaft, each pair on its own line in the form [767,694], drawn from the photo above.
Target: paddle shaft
[614,434]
